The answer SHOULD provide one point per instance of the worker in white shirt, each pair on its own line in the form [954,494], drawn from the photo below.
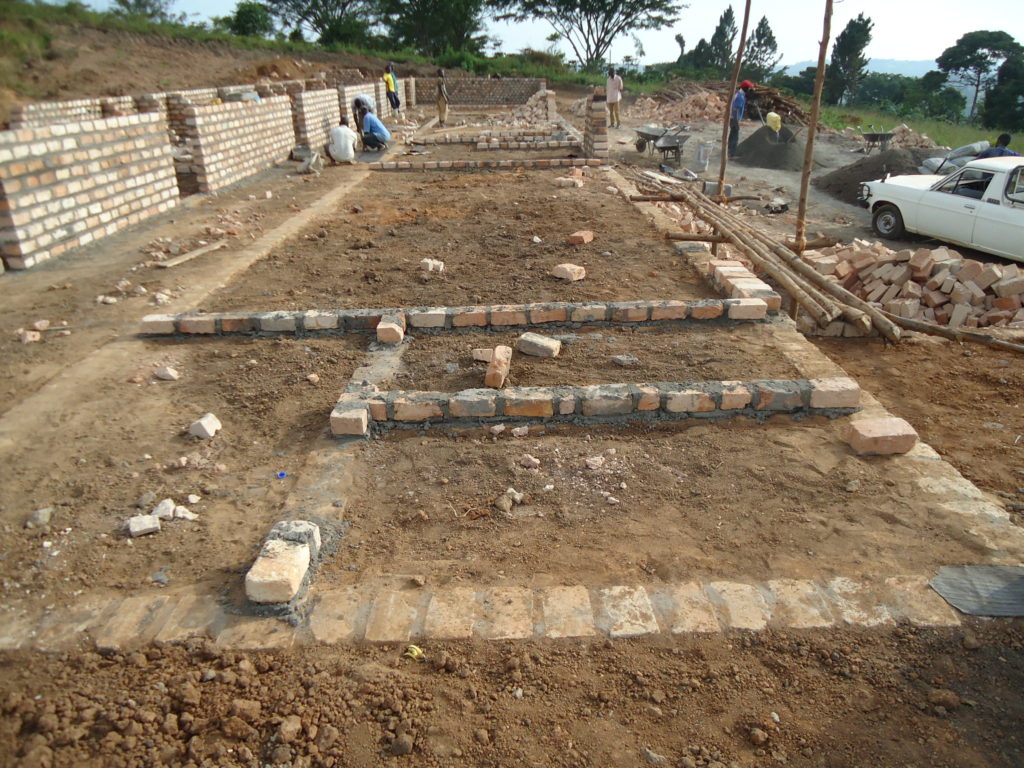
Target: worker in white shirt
[614,92]
[342,146]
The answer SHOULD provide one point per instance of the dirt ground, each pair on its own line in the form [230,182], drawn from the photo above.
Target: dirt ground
[731,500]
[586,357]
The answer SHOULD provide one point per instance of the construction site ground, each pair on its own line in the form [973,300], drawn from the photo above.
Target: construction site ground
[85,428]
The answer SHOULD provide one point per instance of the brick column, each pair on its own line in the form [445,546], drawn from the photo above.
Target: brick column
[595,132]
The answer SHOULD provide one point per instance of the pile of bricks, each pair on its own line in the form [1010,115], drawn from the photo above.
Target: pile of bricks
[234,140]
[67,184]
[355,411]
[539,108]
[933,285]
[701,105]
[736,279]
[315,113]
[595,130]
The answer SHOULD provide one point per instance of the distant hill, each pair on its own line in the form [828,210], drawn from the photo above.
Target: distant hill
[890,66]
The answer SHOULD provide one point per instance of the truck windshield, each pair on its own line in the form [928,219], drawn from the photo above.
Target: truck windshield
[971,183]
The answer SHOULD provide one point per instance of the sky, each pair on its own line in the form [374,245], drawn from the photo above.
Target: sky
[902,31]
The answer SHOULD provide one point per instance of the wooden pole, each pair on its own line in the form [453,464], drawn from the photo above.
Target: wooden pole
[729,98]
[812,128]
[954,334]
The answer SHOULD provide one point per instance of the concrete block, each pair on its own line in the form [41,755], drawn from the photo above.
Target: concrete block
[607,400]
[314,320]
[567,612]
[506,613]
[301,531]
[451,614]
[391,617]
[571,272]
[277,574]
[881,436]
[538,346]
[350,419]
[498,368]
[140,525]
[626,612]
[779,396]
[277,322]
[741,606]
[205,427]
[685,608]
[835,393]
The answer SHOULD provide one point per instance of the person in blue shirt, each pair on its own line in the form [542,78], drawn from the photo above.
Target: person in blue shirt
[739,107]
[1001,149]
[375,135]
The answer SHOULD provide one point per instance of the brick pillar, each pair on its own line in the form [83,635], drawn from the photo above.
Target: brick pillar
[595,132]
[410,91]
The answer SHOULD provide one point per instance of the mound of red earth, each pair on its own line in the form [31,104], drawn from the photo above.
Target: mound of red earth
[767,149]
[844,183]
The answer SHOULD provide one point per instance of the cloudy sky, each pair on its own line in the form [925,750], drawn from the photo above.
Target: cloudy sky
[902,30]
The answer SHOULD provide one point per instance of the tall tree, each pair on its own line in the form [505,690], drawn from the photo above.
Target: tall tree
[722,41]
[762,56]
[848,64]
[155,10]
[250,19]
[333,21]
[974,59]
[1004,104]
[681,42]
[434,26]
[591,26]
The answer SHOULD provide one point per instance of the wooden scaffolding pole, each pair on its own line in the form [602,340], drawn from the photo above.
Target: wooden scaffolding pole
[812,128]
[728,102]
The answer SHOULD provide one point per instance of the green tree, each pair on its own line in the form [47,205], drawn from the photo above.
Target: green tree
[720,47]
[591,26]
[333,21]
[681,42]
[974,59]
[762,56]
[433,26]
[802,83]
[700,60]
[155,10]
[250,19]
[848,64]
[1004,104]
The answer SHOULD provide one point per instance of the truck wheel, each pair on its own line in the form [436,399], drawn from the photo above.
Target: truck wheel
[888,222]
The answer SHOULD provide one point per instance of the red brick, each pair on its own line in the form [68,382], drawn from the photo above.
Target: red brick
[670,310]
[497,369]
[534,404]
[548,315]
[689,401]
[882,436]
[581,237]
[197,325]
[735,395]
[470,316]
[707,311]
[509,315]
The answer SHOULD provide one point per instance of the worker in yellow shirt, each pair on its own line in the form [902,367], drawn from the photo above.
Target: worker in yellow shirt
[391,86]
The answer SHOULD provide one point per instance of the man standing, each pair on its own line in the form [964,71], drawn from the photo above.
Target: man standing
[739,108]
[375,135]
[342,146]
[1001,149]
[614,91]
[391,86]
[442,99]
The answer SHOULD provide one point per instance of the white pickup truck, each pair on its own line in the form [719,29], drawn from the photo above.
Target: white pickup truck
[980,206]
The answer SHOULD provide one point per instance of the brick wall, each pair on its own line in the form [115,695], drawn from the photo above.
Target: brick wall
[483,91]
[380,93]
[67,184]
[232,141]
[178,102]
[316,112]
[595,132]
[48,112]
[348,93]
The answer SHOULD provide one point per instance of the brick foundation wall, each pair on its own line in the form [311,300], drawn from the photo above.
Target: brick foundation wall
[483,91]
[178,102]
[316,112]
[67,184]
[49,112]
[232,141]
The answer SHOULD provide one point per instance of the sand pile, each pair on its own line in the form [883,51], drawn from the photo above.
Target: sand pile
[844,183]
[767,149]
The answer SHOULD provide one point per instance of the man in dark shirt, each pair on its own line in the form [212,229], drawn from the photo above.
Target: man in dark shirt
[1000,149]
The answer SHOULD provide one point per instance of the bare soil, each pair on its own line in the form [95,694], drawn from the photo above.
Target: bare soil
[586,357]
[482,226]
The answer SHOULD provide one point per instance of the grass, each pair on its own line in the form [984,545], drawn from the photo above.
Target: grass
[943,133]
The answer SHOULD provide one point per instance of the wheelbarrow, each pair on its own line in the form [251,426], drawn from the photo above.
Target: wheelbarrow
[880,140]
[669,141]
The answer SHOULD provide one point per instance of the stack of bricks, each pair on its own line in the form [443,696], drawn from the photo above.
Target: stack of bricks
[484,91]
[316,112]
[595,131]
[233,141]
[933,285]
[68,184]
[409,84]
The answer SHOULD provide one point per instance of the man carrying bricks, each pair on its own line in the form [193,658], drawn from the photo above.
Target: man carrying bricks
[375,135]
[342,146]
[442,99]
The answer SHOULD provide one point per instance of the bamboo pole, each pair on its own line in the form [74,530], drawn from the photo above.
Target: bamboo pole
[812,128]
[954,334]
[728,100]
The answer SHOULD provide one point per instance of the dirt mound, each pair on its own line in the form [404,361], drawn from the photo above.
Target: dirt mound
[843,183]
[767,149]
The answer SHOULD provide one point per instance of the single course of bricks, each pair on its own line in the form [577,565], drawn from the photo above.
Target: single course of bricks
[470,152]
[481,225]
[733,500]
[588,355]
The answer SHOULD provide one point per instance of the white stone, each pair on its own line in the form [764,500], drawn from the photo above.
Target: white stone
[194,499]
[140,525]
[205,427]
[184,513]
[497,429]
[530,462]
[520,431]
[595,462]
[278,572]
[166,374]
[164,510]
[539,346]
[571,272]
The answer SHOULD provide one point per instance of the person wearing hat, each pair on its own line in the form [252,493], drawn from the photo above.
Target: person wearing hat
[739,108]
